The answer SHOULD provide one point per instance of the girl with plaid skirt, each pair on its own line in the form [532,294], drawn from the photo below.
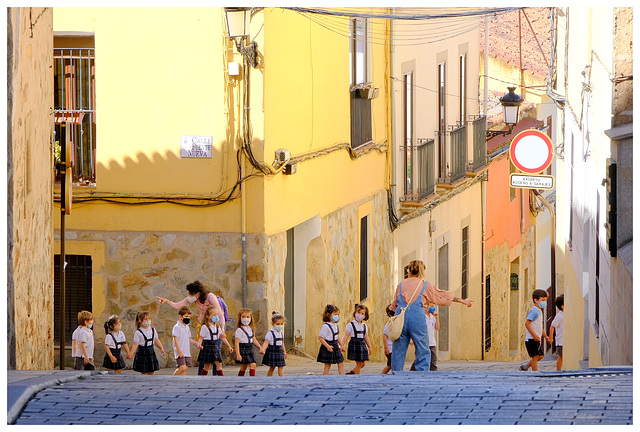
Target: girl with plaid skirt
[356,332]
[113,342]
[210,333]
[244,340]
[145,337]
[330,348]
[273,348]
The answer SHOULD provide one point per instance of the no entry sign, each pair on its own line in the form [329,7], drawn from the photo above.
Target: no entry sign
[531,151]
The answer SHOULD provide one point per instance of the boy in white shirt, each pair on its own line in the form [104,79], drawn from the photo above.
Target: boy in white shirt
[558,325]
[83,355]
[535,330]
[181,339]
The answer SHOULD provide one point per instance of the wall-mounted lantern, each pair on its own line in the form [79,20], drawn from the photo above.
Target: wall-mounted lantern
[510,109]
[238,19]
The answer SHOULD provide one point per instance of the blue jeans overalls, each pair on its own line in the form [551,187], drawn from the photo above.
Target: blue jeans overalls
[415,328]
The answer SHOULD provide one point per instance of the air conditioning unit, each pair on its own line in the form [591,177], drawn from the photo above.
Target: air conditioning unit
[282,155]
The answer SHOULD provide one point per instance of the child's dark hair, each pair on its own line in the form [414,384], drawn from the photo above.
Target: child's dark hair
[560,302]
[328,311]
[184,310]
[240,313]
[275,316]
[538,294]
[108,325]
[390,312]
[140,317]
[360,306]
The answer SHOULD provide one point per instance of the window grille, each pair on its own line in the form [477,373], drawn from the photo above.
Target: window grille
[78,281]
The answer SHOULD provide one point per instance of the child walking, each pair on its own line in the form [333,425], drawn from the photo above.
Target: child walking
[356,333]
[244,340]
[330,348]
[84,345]
[113,343]
[74,340]
[145,337]
[386,342]
[557,325]
[210,335]
[273,348]
[535,330]
[181,339]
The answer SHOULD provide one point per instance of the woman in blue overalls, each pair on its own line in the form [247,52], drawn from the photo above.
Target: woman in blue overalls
[415,318]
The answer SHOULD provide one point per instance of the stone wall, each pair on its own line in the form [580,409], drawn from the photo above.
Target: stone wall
[30,188]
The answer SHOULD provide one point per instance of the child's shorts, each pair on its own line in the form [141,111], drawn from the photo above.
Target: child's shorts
[534,348]
[184,361]
[559,350]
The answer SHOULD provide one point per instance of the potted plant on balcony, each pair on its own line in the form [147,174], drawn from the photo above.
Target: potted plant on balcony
[367,90]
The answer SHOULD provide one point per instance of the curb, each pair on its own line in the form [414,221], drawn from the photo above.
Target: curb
[30,391]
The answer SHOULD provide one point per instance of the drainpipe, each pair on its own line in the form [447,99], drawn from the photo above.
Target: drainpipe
[245,138]
[485,95]
[483,186]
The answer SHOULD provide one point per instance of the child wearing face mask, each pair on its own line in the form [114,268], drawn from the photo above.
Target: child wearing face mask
[273,348]
[181,340]
[244,342]
[330,348]
[84,345]
[145,337]
[535,330]
[114,340]
[356,333]
[210,334]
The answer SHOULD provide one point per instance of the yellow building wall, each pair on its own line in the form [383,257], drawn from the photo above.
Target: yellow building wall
[154,83]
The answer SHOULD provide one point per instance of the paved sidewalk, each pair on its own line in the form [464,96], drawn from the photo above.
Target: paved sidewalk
[479,394]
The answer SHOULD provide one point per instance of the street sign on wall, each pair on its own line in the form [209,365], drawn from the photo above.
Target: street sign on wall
[531,181]
[195,146]
[531,151]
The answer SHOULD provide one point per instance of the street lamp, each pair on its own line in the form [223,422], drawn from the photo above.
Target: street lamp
[510,106]
[237,19]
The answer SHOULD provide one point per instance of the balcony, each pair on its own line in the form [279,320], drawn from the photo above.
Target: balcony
[479,144]
[419,171]
[453,155]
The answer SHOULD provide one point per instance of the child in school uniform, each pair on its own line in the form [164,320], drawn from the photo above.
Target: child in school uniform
[74,340]
[273,348]
[244,340]
[114,340]
[386,342]
[145,337]
[557,327]
[181,339]
[210,335]
[85,342]
[356,333]
[330,348]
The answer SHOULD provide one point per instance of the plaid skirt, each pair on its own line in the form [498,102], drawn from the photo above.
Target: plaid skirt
[107,363]
[246,351]
[145,360]
[357,350]
[210,352]
[326,357]
[274,356]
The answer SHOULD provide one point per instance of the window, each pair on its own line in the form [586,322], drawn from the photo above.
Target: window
[408,132]
[78,276]
[359,75]
[465,262]
[463,87]
[75,102]
[442,125]
[364,257]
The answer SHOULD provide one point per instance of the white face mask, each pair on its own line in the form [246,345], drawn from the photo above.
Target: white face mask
[245,321]
[117,327]
[191,299]
[146,324]
[359,317]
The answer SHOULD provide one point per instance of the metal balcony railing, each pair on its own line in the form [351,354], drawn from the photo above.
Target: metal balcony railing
[479,143]
[419,172]
[458,148]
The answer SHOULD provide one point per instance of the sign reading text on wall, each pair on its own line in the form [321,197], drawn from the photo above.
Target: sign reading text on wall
[194,146]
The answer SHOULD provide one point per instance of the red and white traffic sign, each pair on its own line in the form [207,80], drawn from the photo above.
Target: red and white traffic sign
[531,151]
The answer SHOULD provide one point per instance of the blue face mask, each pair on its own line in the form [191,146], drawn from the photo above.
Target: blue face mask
[543,304]
[432,309]
[215,318]
[335,318]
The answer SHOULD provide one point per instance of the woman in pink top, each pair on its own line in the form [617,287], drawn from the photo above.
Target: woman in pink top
[415,325]
[201,297]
